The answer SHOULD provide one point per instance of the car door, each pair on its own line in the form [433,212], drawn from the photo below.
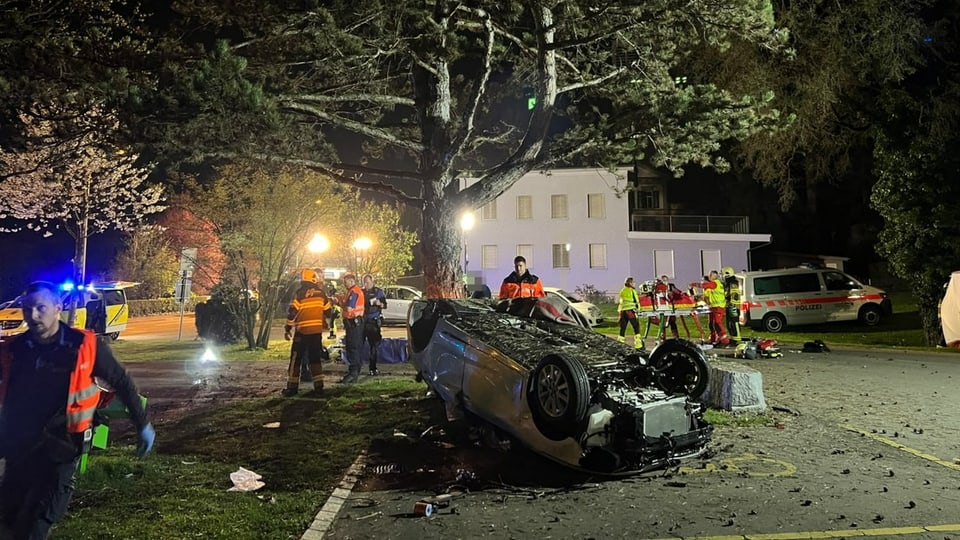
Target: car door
[398,303]
[841,290]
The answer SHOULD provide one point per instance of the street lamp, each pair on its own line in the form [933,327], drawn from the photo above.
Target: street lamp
[318,244]
[360,247]
[466,223]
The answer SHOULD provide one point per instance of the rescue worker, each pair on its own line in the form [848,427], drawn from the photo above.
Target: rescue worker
[352,307]
[715,297]
[48,398]
[331,290]
[669,294]
[627,308]
[376,300]
[731,287]
[521,283]
[306,321]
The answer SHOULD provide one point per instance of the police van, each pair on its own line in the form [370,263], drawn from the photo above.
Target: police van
[100,307]
[774,299]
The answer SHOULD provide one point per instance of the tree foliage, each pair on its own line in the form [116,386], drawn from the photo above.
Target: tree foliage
[148,259]
[69,173]
[264,218]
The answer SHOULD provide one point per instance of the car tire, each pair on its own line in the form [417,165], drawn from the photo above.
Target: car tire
[681,368]
[773,323]
[870,315]
[559,396]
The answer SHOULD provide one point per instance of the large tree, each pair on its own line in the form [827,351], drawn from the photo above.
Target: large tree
[69,173]
[405,98]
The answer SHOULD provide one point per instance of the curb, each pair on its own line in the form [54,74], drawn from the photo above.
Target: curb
[324,518]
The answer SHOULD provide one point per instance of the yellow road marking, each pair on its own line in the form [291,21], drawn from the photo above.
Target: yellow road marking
[898,446]
[845,533]
[747,464]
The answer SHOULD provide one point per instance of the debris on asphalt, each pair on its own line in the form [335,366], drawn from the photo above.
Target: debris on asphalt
[389,468]
[815,346]
[272,425]
[245,480]
[368,516]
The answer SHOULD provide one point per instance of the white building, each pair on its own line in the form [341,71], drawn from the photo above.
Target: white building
[590,227]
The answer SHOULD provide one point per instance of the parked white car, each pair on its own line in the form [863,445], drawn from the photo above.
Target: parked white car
[588,310]
[399,298]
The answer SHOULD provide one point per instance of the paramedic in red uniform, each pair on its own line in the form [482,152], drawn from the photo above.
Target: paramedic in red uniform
[715,296]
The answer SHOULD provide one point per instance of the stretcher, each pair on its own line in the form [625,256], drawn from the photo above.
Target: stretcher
[657,308]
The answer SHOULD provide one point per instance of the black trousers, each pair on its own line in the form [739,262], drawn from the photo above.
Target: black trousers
[306,349]
[34,494]
[353,341]
[372,336]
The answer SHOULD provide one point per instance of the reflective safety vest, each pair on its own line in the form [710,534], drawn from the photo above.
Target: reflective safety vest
[628,299]
[356,310]
[83,394]
[715,296]
[307,311]
[525,286]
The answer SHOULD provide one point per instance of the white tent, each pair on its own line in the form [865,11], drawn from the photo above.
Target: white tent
[950,311]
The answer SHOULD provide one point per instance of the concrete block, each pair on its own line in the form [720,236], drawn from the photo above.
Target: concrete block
[734,387]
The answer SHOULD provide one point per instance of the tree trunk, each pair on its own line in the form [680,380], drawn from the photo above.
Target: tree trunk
[441,248]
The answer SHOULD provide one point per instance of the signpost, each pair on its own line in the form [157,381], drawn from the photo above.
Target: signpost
[181,289]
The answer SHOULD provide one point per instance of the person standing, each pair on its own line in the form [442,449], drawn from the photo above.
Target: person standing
[627,308]
[731,287]
[376,301]
[352,307]
[306,322]
[669,295]
[715,297]
[49,398]
[521,283]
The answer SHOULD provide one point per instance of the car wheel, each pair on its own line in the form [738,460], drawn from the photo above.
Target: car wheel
[559,395]
[870,315]
[773,323]
[681,368]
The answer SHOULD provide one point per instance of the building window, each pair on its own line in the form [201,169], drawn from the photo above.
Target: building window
[488,256]
[524,207]
[561,255]
[558,206]
[663,263]
[526,251]
[598,255]
[649,199]
[595,206]
[709,260]
[489,210]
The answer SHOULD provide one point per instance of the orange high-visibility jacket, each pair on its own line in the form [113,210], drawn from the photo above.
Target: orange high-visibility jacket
[83,394]
[353,305]
[527,285]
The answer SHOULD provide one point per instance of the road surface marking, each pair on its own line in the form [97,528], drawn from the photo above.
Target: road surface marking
[845,533]
[748,464]
[898,446]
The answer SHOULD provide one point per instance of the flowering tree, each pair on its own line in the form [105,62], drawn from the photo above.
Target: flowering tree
[67,174]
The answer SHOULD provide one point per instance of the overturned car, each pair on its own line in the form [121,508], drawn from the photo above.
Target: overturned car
[566,392]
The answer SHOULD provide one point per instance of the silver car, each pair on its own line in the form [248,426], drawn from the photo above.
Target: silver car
[527,369]
[399,298]
[588,310]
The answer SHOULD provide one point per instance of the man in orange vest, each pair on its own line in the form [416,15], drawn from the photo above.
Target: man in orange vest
[49,398]
[306,322]
[521,283]
[351,306]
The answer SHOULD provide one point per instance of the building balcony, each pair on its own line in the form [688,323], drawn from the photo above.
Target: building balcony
[690,224]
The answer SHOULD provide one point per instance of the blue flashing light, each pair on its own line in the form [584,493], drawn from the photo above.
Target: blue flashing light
[67,286]
[928,39]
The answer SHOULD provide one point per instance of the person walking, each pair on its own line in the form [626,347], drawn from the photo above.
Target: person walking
[715,297]
[48,398]
[352,308]
[627,308]
[306,322]
[376,301]
[521,283]
[669,294]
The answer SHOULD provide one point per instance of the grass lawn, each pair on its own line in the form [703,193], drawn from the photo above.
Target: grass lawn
[180,490]
[153,350]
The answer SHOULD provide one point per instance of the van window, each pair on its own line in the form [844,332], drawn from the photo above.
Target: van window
[788,283]
[113,298]
[837,281]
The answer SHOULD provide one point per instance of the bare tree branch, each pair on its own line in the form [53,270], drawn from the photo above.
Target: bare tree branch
[352,125]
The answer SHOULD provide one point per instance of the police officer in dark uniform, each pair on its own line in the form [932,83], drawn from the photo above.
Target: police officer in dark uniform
[376,301]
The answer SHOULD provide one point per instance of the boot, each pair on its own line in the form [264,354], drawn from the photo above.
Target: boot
[289,392]
[352,376]
[638,344]
[621,339]
[317,390]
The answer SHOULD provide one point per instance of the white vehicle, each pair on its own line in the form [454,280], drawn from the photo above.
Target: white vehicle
[588,310]
[774,299]
[399,298]
[950,312]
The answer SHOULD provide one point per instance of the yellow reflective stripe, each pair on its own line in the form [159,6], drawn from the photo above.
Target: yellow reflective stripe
[84,394]
[81,416]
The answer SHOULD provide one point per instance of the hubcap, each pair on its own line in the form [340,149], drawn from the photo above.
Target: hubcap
[553,391]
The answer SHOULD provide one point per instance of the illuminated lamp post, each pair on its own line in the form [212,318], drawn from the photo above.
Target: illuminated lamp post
[360,247]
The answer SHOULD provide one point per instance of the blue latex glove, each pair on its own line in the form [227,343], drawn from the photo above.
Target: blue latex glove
[147,435]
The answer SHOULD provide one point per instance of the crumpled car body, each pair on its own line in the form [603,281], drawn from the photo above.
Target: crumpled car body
[563,390]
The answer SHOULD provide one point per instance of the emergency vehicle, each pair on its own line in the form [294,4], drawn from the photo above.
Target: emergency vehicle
[101,307]
[774,299]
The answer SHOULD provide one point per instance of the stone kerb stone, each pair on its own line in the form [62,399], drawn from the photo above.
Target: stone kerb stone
[734,387]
